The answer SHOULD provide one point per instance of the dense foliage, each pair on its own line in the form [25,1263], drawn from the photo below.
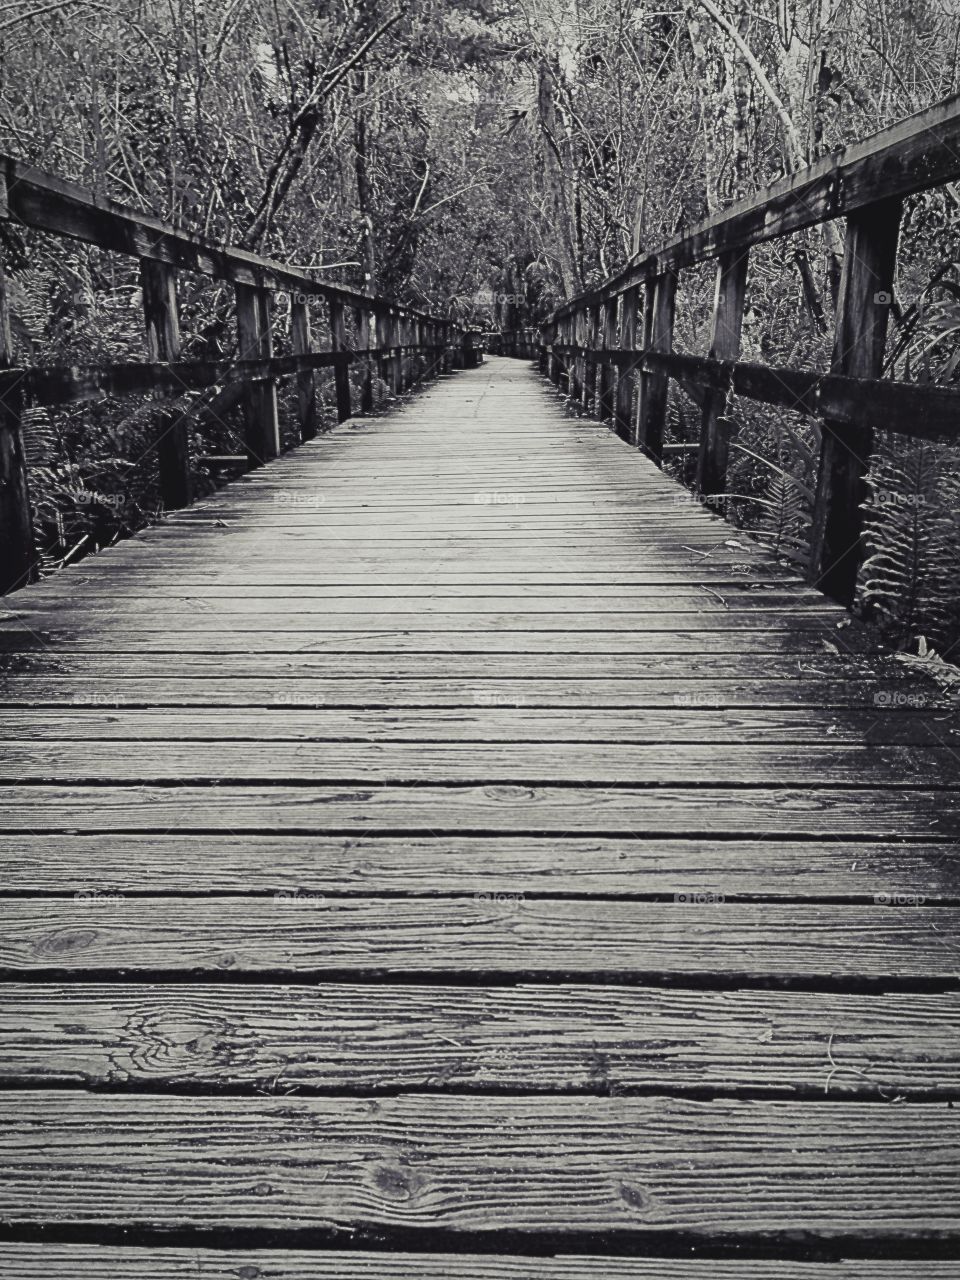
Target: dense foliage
[485,157]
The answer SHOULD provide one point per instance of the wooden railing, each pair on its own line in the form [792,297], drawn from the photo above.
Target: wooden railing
[400,344]
[595,344]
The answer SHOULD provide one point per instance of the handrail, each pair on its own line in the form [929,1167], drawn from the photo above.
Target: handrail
[590,343]
[403,344]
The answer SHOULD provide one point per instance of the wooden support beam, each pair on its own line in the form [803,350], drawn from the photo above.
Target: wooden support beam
[158,283]
[579,371]
[366,327]
[608,374]
[306,381]
[255,342]
[591,341]
[341,374]
[623,410]
[659,310]
[725,333]
[18,562]
[863,311]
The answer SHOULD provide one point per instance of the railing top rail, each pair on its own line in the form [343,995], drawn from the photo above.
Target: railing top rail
[920,152]
[47,202]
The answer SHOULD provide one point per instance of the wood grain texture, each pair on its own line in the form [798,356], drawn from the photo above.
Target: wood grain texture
[530,763]
[91,1262]
[531,1165]
[767,812]
[180,862]
[408,774]
[556,1038]
[300,931]
[490,724]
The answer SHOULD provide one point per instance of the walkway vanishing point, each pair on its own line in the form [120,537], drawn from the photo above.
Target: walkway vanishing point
[451,851]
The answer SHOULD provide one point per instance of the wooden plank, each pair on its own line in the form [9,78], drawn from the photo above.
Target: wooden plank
[745,866]
[721,764]
[102,1262]
[558,1039]
[872,813]
[255,342]
[494,723]
[535,1166]
[338,342]
[16,521]
[302,344]
[815,693]
[726,324]
[298,931]
[863,309]
[158,285]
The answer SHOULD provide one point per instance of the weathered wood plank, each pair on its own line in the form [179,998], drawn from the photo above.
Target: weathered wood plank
[630,1166]
[722,764]
[814,692]
[492,724]
[555,1039]
[95,1262]
[301,932]
[549,810]
[182,862]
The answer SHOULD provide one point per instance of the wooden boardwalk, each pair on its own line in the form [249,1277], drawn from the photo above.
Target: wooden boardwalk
[452,852]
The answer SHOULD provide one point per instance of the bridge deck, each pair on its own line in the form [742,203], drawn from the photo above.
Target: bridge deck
[452,840]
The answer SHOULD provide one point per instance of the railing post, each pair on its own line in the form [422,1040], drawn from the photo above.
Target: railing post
[863,310]
[608,372]
[18,565]
[591,396]
[341,370]
[658,322]
[306,380]
[366,328]
[726,326]
[158,284]
[623,414]
[578,372]
[255,342]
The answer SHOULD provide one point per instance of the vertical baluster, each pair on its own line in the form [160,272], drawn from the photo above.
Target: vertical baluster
[658,315]
[158,284]
[608,371]
[306,380]
[341,372]
[18,564]
[255,342]
[725,333]
[366,327]
[625,380]
[863,309]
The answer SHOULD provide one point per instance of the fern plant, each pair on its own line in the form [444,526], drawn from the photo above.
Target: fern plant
[912,540]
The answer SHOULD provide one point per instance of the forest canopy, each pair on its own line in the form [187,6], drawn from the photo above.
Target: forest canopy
[485,159]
